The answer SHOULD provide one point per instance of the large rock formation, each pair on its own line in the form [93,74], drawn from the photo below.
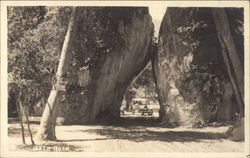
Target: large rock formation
[97,88]
[191,76]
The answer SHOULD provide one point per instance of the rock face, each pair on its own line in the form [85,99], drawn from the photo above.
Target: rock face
[226,110]
[101,87]
[237,133]
[191,76]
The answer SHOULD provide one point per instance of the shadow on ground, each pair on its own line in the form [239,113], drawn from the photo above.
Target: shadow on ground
[136,129]
[132,121]
[81,140]
[147,135]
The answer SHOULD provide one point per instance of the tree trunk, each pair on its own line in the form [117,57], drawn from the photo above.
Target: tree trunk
[128,99]
[231,59]
[18,108]
[47,126]
[26,113]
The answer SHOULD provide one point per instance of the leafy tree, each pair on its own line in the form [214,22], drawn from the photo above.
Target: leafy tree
[34,40]
[145,81]
[22,71]
[33,48]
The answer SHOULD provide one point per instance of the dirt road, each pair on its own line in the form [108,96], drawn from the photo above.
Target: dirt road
[142,135]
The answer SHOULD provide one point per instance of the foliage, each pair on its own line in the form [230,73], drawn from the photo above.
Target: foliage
[89,45]
[145,81]
[35,37]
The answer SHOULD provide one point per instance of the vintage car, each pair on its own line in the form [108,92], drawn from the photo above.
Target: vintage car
[140,106]
[146,110]
[122,110]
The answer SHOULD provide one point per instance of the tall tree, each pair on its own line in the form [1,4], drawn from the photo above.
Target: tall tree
[230,55]
[47,126]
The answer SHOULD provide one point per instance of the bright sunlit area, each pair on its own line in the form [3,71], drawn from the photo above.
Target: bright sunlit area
[157,12]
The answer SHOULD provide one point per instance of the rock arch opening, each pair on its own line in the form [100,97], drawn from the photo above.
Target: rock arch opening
[140,98]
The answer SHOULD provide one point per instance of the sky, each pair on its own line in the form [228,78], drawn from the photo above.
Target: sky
[157,12]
